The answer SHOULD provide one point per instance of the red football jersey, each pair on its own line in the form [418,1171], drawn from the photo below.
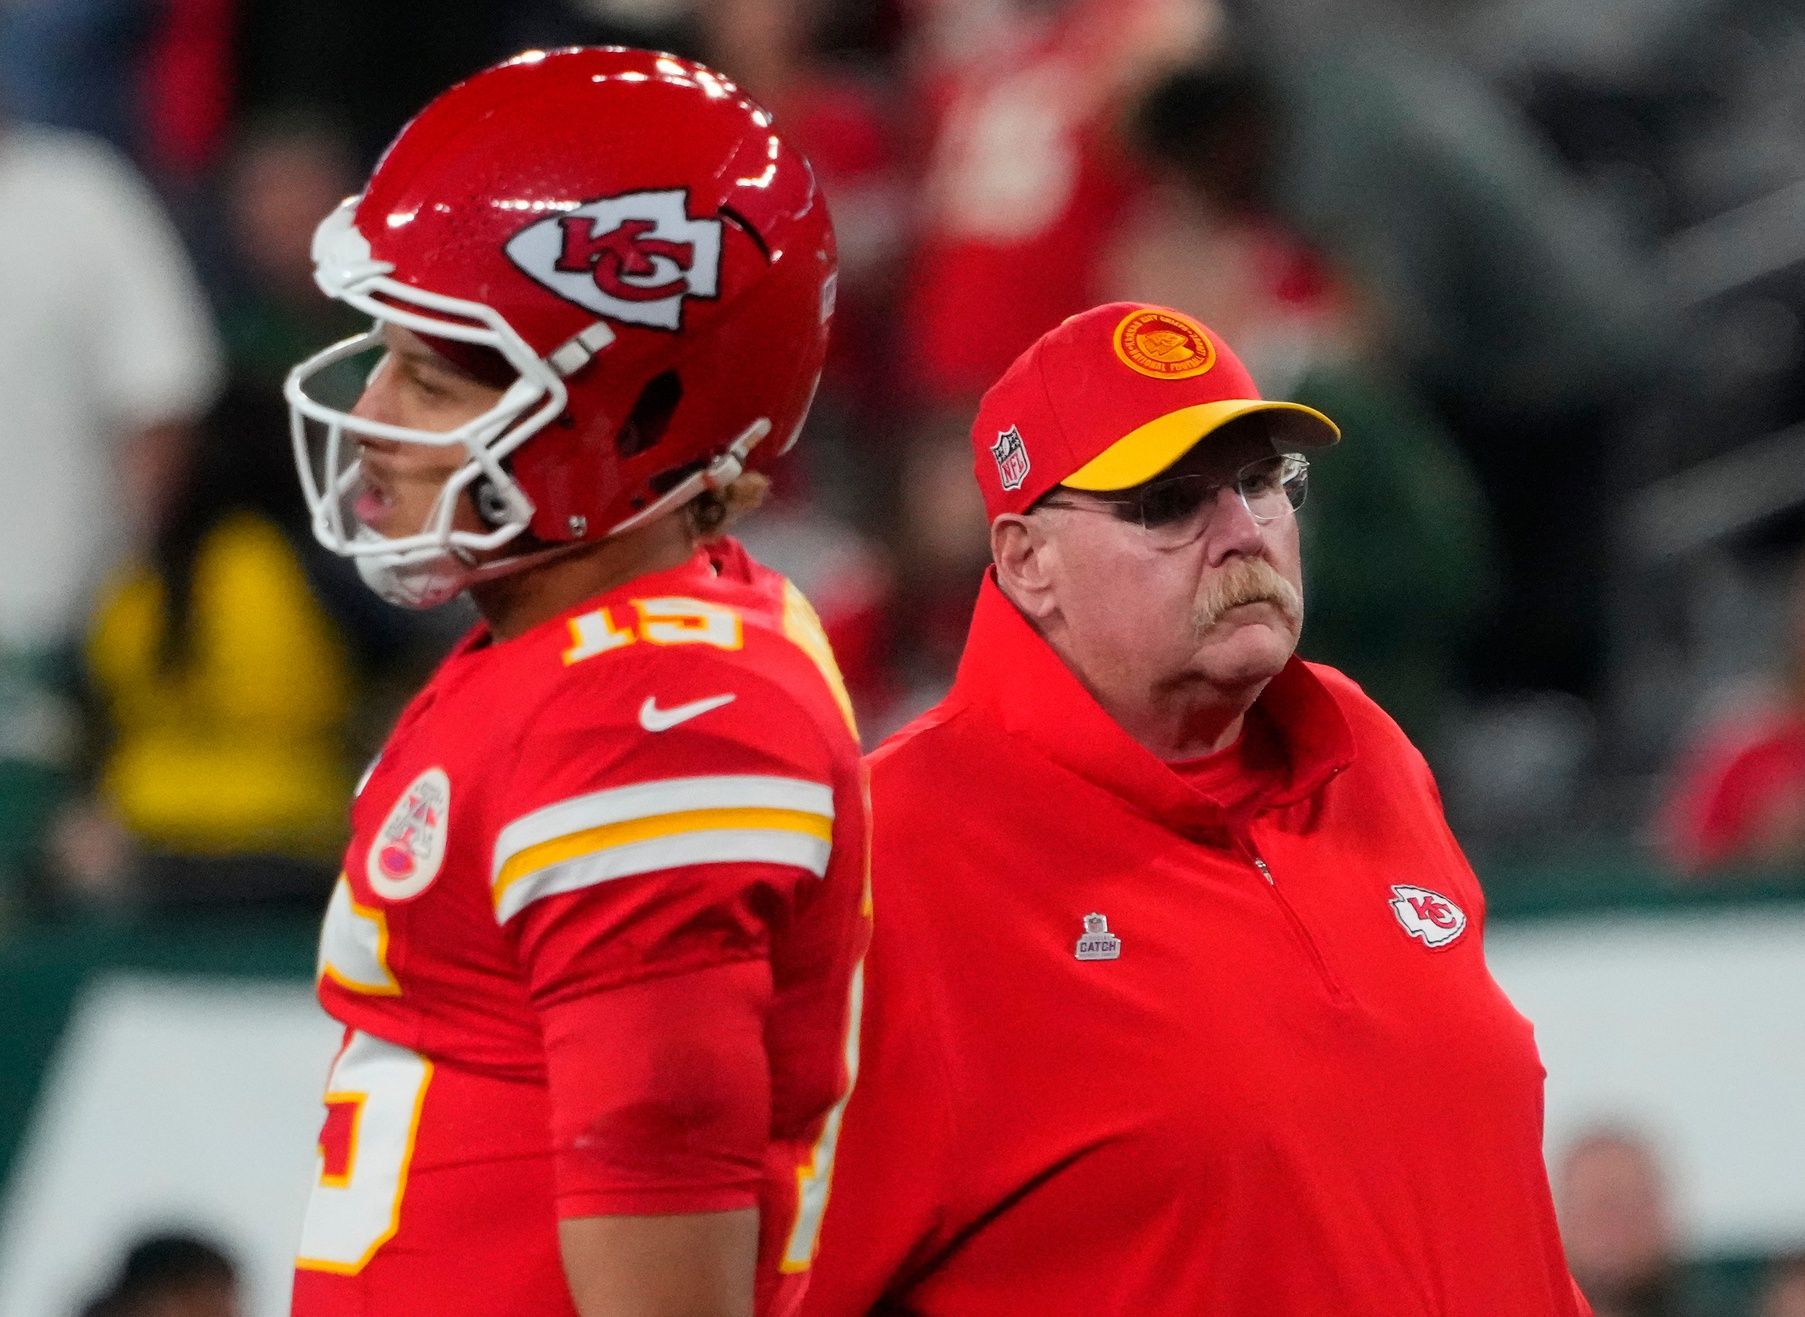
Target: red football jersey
[1024,188]
[595,950]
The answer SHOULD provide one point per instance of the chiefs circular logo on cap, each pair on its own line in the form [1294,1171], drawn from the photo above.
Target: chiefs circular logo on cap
[1164,345]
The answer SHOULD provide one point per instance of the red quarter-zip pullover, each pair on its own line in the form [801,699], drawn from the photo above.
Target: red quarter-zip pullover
[1127,1052]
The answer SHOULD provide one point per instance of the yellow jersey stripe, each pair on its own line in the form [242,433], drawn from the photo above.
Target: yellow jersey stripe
[664,796]
[802,626]
[560,849]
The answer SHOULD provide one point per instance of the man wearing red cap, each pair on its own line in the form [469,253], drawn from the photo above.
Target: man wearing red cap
[1177,999]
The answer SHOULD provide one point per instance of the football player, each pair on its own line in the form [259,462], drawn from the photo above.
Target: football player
[595,946]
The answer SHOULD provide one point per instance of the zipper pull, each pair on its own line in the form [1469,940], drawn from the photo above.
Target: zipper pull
[1265,873]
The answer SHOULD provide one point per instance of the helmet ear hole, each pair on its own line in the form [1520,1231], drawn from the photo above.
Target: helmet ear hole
[651,415]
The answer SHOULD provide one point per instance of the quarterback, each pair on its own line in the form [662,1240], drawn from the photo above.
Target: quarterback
[597,941]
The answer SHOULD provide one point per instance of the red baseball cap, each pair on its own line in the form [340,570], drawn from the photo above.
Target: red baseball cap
[1113,396]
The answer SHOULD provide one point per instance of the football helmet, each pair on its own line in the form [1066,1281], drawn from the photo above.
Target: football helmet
[651,267]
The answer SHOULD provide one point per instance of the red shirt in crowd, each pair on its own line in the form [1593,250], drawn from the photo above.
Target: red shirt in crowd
[1130,1050]
[594,950]
[1023,188]
[1740,794]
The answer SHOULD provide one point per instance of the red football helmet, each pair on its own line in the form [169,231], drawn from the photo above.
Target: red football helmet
[654,264]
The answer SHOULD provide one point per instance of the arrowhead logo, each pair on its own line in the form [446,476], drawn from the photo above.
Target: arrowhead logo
[633,258]
[1427,916]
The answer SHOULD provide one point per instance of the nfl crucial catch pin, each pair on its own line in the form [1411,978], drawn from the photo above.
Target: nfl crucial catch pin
[1098,943]
[1012,458]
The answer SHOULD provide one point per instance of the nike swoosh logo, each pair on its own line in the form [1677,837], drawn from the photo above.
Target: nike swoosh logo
[654,719]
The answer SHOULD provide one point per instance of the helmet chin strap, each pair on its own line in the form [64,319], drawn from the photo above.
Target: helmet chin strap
[718,474]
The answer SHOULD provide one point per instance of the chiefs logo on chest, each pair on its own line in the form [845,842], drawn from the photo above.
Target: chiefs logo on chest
[1427,916]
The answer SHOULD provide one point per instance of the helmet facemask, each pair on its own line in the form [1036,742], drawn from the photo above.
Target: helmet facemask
[430,565]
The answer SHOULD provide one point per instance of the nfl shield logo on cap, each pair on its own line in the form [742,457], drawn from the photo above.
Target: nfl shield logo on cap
[1012,458]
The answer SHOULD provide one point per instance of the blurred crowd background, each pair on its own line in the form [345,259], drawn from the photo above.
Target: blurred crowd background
[1545,264]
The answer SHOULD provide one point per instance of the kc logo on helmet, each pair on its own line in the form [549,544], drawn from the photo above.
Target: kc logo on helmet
[633,258]
[1428,916]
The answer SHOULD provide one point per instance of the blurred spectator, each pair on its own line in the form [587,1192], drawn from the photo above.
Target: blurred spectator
[171,1275]
[1509,303]
[284,175]
[1783,1289]
[1738,793]
[75,64]
[1023,178]
[839,114]
[1399,609]
[373,65]
[228,693]
[152,77]
[1617,1225]
[187,87]
[106,360]
[221,781]
[1396,611]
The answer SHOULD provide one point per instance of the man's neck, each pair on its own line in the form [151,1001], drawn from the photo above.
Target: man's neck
[1185,718]
[1174,726]
[514,604]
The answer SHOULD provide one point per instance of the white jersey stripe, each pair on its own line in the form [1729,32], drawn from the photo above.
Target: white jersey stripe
[715,846]
[673,795]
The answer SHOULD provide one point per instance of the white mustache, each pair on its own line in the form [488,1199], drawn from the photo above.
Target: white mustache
[1248,581]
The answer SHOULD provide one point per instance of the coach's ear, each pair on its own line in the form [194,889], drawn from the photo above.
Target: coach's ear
[1027,560]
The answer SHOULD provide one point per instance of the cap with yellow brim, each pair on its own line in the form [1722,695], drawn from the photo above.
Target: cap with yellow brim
[1147,450]
[1111,397]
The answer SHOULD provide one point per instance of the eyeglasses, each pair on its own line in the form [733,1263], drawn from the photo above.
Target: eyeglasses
[1175,510]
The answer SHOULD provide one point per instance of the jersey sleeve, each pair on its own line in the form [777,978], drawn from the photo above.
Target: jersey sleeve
[661,1093]
[643,870]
